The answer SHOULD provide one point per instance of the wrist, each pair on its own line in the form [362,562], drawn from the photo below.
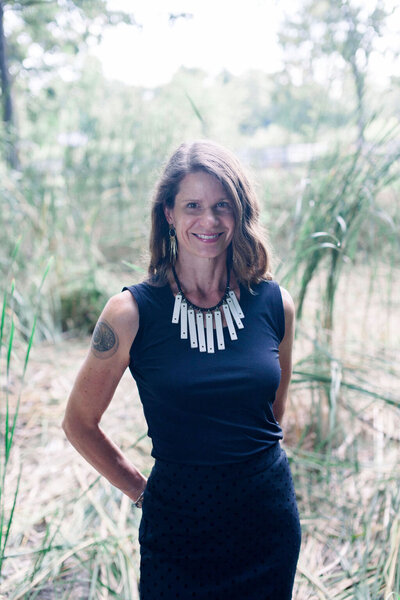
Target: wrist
[139,500]
[136,490]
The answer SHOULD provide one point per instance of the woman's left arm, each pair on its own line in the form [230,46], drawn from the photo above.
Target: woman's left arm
[285,356]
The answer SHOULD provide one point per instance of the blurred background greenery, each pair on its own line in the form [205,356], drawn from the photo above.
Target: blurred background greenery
[79,156]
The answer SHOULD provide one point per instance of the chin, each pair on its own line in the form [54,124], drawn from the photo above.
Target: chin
[211,254]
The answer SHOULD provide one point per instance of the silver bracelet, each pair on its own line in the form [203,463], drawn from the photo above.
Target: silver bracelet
[139,502]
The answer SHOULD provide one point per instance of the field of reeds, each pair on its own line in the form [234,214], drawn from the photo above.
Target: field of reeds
[66,533]
[74,226]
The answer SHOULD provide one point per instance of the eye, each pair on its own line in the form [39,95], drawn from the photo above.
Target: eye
[192,205]
[224,204]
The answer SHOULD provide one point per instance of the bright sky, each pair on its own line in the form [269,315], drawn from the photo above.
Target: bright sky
[222,34]
[236,35]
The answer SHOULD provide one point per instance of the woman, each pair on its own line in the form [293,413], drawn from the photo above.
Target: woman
[208,338]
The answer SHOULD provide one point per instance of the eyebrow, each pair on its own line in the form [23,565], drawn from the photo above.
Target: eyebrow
[200,200]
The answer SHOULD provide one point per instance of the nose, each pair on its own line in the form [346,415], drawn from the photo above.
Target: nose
[210,216]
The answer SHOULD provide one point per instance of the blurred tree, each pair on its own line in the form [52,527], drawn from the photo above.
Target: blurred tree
[7,104]
[306,109]
[256,107]
[38,35]
[338,29]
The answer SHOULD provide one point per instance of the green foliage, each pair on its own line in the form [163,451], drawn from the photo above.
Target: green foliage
[322,28]
[56,28]
[308,109]
[80,308]
[329,35]
[87,178]
[338,215]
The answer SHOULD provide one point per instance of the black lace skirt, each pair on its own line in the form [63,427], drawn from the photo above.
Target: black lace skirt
[221,532]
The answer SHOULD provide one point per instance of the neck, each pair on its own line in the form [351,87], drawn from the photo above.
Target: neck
[202,275]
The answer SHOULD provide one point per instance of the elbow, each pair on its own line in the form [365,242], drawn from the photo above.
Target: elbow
[66,427]
[71,423]
[278,414]
[279,407]
[76,427]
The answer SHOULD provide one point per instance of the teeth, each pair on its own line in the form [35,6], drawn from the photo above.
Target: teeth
[207,237]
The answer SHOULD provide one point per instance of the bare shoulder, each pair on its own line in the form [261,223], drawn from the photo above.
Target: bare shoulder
[288,305]
[122,306]
[116,327]
[287,299]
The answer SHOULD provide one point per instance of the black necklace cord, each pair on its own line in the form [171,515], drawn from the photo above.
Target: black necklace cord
[201,308]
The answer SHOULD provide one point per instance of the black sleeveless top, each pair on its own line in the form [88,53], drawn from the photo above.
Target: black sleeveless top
[208,409]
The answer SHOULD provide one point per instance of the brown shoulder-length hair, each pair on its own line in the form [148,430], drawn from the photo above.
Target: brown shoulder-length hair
[248,252]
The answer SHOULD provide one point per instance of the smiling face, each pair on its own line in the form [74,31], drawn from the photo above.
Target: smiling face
[203,216]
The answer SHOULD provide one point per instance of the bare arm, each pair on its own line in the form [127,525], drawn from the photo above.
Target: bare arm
[93,391]
[285,356]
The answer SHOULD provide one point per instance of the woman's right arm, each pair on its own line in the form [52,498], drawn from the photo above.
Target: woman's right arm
[93,391]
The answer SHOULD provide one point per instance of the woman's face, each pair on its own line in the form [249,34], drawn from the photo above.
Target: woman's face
[202,215]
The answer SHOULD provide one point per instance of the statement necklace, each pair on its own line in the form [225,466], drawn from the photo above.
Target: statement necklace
[192,318]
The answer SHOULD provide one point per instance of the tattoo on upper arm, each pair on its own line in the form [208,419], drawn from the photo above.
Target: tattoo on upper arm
[105,340]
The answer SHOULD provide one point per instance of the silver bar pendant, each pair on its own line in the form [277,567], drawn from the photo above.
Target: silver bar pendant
[200,331]
[184,321]
[177,308]
[209,332]
[234,312]
[229,322]
[236,303]
[219,330]
[192,328]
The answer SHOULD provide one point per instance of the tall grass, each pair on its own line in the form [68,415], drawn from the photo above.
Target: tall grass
[342,217]
[8,413]
[344,446]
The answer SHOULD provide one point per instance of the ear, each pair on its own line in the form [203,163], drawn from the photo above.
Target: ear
[168,214]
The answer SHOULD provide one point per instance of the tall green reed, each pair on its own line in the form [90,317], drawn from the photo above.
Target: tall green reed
[9,412]
[342,217]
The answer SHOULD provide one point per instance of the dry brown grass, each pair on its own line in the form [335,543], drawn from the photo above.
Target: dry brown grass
[54,474]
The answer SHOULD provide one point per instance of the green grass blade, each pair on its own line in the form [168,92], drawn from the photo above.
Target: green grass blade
[11,338]
[9,522]
[46,272]
[30,342]
[3,318]
[134,267]
[29,347]
[195,109]
[16,249]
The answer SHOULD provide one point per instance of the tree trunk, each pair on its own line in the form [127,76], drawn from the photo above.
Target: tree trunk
[7,105]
